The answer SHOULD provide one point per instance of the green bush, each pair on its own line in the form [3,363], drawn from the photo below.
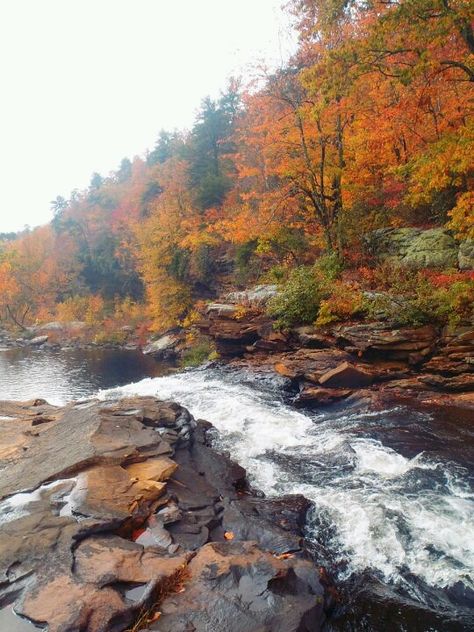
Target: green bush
[329,266]
[247,262]
[299,299]
[411,299]
[110,338]
[201,351]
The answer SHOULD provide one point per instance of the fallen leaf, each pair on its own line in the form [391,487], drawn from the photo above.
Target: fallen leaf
[154,617]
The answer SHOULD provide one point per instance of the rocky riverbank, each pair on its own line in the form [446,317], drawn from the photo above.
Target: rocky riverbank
[373,360]
[120,514]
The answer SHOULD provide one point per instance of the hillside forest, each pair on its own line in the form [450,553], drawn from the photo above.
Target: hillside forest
[280,180]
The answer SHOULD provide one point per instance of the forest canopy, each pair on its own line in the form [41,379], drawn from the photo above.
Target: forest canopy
[368,125]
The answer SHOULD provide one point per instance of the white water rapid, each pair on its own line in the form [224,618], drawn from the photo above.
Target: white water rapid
[374,508]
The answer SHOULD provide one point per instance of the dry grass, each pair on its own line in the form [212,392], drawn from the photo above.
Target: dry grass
[171,585]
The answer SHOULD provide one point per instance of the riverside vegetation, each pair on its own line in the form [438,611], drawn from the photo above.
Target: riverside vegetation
[366,131]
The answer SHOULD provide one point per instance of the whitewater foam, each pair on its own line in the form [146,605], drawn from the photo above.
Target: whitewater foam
[385,512]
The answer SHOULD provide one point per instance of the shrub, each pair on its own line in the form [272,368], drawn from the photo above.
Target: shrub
[299,300]
[110,337]
[201,351]
[329,266]
[457,302]
[344,302]
[247,262]
[412,299]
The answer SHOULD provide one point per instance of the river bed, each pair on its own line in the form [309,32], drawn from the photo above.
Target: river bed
[393,515]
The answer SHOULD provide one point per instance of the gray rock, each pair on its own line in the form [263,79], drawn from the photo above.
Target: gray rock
[234,586]
[466,255]
[38,340]
[414,247]
[163,346]
[221,309]
[254,297]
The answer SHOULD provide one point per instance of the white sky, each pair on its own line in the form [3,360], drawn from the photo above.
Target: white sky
[85,83]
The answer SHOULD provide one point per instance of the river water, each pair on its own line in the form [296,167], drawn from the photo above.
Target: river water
[393,493]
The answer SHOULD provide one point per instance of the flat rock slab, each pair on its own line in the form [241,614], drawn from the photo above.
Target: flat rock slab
[346,375]
[79,438]
[310,363]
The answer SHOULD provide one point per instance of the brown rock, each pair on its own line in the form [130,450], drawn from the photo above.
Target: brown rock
[152,469]
[234,586]
[109,492]
[310,363]
[346,375]
[321,396]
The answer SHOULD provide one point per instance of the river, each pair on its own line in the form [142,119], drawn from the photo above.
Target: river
[393,516]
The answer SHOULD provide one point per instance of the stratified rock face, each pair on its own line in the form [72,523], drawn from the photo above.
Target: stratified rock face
[415,247]
[126,496]
[403,343]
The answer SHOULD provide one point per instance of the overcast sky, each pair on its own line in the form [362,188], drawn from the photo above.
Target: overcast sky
[85,83]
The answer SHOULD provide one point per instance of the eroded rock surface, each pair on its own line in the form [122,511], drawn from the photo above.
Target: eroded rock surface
[108,508]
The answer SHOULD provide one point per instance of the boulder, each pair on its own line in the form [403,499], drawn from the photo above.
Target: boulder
[312,337]
[222,310]
[38,340]
[388,342]
[346,375]
[414,247]
[466,255]
[164,347]
[311,395]
[310,364]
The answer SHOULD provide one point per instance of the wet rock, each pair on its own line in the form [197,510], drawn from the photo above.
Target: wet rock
[459,383]
[234,586]
[346,375]
[80,437]
[379,339]
[152,469]
[312,337]
[321,396]
[455,352]
[64,554]
[275,524]
[108,492]
[310,364]
[164,347]
[37,341]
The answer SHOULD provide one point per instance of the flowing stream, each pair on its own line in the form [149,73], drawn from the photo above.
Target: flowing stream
[393,516]
[393,500]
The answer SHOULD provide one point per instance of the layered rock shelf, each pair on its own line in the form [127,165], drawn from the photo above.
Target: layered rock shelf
[369,359]
[120,515]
